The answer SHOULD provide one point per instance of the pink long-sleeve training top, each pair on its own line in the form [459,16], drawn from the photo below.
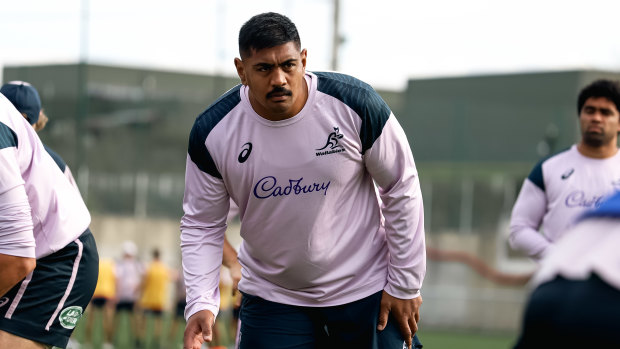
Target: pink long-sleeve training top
[311,218]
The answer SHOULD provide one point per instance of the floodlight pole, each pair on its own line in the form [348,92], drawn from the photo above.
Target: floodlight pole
[336,39]
[82,101]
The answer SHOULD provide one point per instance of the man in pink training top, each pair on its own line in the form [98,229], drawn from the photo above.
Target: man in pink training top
[48,257]
[300,154]
[564,185]
[25,99]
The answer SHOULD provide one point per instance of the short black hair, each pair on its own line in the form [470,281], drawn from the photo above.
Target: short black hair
[600,88]
[266,30]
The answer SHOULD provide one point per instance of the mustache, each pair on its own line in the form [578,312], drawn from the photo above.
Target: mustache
[279,90]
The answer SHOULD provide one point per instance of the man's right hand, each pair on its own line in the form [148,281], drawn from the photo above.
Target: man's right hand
[198,329]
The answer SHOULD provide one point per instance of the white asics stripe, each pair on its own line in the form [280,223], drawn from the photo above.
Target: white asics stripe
[18,296]
[76,264]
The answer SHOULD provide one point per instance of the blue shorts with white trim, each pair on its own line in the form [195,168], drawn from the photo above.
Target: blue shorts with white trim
[46,306]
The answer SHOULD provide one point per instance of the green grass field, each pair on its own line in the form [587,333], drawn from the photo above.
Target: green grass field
[125,339]
[460,340]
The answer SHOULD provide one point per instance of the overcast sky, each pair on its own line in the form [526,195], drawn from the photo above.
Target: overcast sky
[386,42]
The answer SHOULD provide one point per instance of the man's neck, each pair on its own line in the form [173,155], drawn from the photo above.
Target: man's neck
[602,152]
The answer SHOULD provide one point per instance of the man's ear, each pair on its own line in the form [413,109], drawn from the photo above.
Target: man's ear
[303,55]
[240,70]
[26,117]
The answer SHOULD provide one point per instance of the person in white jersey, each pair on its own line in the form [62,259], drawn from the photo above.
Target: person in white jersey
[575,302]
[564,185]
[129,275]
[25,99]
[48,257]
[299,153]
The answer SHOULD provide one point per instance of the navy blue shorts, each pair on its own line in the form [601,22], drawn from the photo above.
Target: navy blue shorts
[566,313]
[180,308]
[99,302]
[153,312]
[270,325]
[46,306]
[236,312]
[125,306]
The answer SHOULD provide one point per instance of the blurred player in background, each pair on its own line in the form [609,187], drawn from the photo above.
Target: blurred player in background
[102,303]
[48,256]
[298,152]
[576,300]
[154,292]
[230,261]
[179,309]
[563,186]
[129,274]
[26,100]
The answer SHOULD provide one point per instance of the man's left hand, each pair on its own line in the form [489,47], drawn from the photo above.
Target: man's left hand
[406,312]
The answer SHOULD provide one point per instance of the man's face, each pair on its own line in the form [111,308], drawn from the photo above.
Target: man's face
[600,122]
[275,77]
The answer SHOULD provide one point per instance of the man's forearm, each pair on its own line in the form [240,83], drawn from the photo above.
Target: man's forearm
[529,241]
[229,258]
[13,269]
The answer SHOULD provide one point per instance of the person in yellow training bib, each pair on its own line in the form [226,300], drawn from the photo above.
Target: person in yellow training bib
[154,294]
[103,302]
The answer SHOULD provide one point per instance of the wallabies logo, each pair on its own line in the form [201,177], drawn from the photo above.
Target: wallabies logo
[332,140]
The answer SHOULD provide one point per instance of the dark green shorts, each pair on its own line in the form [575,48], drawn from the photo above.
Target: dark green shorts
[46,306]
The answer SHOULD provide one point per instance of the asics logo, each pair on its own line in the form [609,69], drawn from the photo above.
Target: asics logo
[245,153]
[567,174]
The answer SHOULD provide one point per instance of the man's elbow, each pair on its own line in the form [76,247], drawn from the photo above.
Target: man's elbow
[13,269]
[517,231]
[25,266]
[513,231]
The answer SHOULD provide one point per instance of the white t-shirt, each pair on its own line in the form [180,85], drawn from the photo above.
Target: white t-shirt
[129,274]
